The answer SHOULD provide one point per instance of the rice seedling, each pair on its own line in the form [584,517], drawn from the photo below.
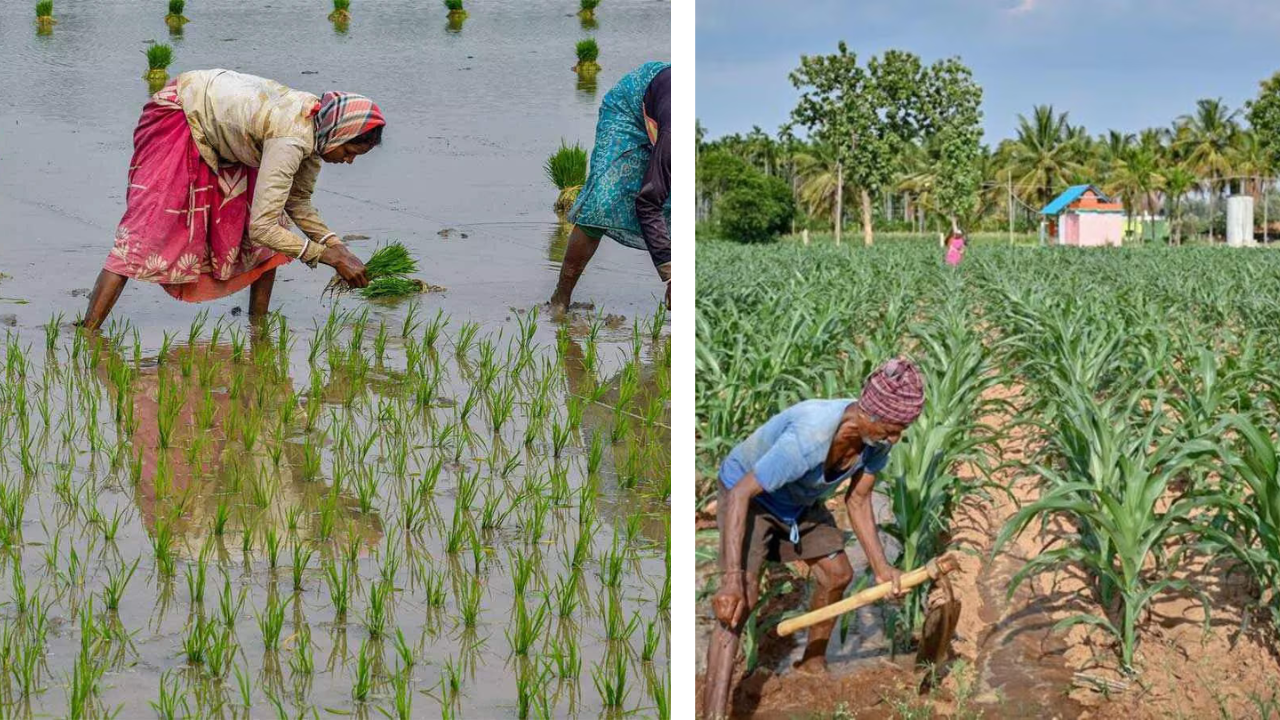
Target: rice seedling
[470,597]
[303,661]
[339,587]
[610,678]
[587,8]
[376,612]
[196,577]
[588,52]
[652,637]
[117,580]
[527,627]
[171,698]
[229,606]
[198,640]
[564,654]
[362,683]
[567,170]
[456,11]
[531,682]
[271,621]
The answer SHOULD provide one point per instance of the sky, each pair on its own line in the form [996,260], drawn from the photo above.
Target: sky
[1122,64]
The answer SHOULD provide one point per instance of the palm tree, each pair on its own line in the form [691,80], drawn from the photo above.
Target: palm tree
[1206,138]
[1044,156]
[1178,181]
[819,174]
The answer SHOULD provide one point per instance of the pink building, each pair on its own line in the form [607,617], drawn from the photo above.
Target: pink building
[1084,217]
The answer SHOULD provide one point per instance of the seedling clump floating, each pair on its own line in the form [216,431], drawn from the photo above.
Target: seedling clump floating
[588,51]
[44,16]
[175,19]
[159,57]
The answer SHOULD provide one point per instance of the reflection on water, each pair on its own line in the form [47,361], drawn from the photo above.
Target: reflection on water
[587,84]
[557,243]
[454,23]
[224,445]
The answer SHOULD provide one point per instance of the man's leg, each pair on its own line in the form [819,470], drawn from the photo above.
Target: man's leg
[581,247]
[105,293]
[831,574]
[260,295]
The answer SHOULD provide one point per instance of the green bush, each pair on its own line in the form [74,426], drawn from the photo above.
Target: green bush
[757,209]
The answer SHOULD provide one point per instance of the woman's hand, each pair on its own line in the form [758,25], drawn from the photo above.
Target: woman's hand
[349,267]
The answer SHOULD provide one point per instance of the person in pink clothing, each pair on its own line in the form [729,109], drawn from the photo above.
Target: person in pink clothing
[955,248]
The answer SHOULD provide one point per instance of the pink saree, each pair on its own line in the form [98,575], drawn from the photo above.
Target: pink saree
[185,227]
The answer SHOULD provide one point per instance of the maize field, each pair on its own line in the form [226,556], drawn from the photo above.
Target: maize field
[1144,383]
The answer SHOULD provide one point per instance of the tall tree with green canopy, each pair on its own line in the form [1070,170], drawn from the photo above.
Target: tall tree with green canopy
[832,86]
[951,106]
[1263,113]
[864,114]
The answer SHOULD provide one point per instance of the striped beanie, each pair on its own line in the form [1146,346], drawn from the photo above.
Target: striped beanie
[340,116]
[894,393]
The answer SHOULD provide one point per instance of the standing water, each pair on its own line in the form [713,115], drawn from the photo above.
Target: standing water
[189,504]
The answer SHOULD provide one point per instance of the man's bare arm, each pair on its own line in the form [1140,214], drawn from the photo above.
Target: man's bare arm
[730,602]
[857,501]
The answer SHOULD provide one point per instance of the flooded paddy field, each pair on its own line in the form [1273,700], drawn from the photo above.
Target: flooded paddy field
[189,502]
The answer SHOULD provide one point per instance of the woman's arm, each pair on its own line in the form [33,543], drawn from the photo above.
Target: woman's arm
[268,222]
[299,208]
[654,192]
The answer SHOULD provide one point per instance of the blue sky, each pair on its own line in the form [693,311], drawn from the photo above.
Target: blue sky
[1123,64]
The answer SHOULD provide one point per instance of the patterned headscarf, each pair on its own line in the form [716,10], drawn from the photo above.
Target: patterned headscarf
[894,393]
[341,116]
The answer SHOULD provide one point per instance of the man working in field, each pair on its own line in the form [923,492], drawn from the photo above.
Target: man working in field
[771,507]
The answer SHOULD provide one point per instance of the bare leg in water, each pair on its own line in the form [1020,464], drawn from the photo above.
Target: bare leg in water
[106,291]
[260,295]
[576,256]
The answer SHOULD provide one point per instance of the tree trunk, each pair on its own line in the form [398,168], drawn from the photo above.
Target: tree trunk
[866,217]
[839,199]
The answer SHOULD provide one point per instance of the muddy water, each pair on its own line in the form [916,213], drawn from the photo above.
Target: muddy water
[1020,661]
[473,112]
[472,116]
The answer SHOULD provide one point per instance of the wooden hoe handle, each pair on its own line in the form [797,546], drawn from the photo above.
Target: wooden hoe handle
[931,571]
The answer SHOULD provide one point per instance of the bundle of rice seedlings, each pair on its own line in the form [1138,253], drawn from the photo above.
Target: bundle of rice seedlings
[341,11]
[588,8]
[388,270]
[175,18]
[456,11]
[159,56]
[44,15]
[588,51]
[393,286]
[567,168]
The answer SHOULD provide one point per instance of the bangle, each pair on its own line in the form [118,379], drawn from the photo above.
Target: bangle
[326,237]
[306,243]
